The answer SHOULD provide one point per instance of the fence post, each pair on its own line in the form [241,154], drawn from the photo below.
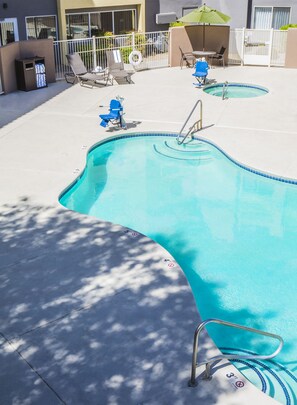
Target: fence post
[94,52]
[1,90]
[242,46]
[270,46]
[133,41]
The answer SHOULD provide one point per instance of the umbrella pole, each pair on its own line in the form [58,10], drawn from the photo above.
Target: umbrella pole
[203,38]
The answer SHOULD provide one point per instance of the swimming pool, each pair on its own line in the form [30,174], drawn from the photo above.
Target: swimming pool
[235,90]
[232,231]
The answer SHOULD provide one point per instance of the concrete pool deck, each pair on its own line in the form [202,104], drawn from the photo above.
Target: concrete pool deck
[91,312]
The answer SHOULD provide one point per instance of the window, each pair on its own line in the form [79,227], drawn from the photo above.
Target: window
[280,17]
[124,21]
[85,25]
[271,17]
[100,23]
[106,22]
[42,27]
[8,31]
[77,26]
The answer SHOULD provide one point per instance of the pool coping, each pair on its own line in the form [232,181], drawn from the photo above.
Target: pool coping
[175,135]
[237,84]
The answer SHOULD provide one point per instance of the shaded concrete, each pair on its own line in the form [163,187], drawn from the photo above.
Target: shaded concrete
[20,384]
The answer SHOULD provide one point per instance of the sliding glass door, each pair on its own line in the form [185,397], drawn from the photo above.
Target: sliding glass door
[85,25]
[271,17]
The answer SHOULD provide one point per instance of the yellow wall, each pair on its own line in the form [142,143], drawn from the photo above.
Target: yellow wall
[64,5]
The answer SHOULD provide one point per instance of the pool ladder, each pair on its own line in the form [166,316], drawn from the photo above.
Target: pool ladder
[207,374]
[225,88]
[195,127]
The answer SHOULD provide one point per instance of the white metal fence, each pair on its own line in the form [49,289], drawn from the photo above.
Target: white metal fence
[257,47]
[152,45]
[246,47]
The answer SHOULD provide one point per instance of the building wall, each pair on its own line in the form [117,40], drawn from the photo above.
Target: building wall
[25,50]
[147,10]
[154,7]
[88,5]
[280,3]
[238,10]
[166,6]
[20,9]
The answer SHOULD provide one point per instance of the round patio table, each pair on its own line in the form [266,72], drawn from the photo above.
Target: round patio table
[203,54]
[199,54]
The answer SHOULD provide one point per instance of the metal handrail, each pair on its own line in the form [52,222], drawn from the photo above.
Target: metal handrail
[197,124]
[192,382]
[225,88]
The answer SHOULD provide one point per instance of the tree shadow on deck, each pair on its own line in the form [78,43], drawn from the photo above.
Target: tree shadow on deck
[94,311]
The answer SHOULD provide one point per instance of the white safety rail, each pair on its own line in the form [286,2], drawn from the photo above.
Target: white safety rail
[278,51]
[246,47]
[208,363]
[257,47]
[153,47]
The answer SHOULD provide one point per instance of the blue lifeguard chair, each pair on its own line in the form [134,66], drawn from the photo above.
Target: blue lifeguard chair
[201,72]
[115,115]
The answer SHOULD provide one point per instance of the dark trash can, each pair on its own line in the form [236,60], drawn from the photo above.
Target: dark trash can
[30,73]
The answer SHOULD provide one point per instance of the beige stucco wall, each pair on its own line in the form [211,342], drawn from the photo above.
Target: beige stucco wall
[291,49]
[190,38]
[24,50]
[64,5]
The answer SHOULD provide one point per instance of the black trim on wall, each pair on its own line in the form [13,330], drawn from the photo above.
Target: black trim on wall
[249,14]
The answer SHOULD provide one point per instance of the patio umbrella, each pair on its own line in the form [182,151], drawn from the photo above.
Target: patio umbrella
[205,15]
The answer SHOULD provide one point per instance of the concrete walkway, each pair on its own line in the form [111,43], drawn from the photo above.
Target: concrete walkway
[90,312]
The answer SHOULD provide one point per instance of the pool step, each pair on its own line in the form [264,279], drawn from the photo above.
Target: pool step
[270,377]
[192,151]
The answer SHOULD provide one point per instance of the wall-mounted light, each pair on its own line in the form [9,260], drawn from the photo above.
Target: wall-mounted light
[4,5]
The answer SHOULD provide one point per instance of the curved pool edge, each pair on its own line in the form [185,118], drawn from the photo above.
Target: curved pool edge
[264,90]
[248,168]
[244,166]
[179,338]
[180,343]
[249,391]
[212,348]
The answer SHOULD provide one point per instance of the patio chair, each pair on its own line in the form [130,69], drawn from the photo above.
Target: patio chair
[84,77]
[116,67]
[115,115]
[219,56]
[201,72]
[187,57]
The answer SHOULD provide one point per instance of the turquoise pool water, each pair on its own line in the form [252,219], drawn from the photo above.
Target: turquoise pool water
[232,231]
[236,90]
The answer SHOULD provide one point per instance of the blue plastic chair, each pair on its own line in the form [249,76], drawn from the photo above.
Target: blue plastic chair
[115,115]
[201,72]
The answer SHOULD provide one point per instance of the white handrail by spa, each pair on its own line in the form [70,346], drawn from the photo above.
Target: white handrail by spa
[192,382]
[225,88]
